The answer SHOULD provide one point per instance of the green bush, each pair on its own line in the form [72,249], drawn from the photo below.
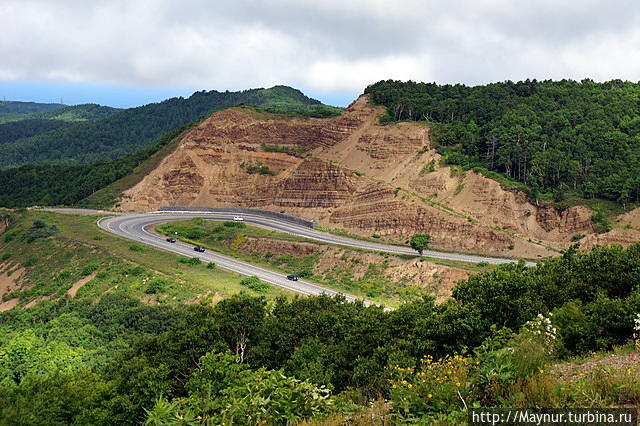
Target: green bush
[577,237]
[136,247]
[230,224]
[211,265]
[156,286]
[89,269]
[255,283]
[5,256]
[38,230]
[190,260]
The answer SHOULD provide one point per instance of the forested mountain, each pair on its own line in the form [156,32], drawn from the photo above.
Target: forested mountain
[50,184]
[554,136]
[16,107]
[38,123]
[129,130]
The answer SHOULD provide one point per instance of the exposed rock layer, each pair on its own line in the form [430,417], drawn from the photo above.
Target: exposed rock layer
[353,174]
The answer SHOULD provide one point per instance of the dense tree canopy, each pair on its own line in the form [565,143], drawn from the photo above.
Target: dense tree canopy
[550,135]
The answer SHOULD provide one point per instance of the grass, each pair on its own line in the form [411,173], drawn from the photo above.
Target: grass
[67,256]
[229,238]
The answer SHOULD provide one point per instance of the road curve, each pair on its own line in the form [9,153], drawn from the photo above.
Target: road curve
[136,227]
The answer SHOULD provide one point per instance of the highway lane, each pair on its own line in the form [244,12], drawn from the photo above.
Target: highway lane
[137,228]
[313,234]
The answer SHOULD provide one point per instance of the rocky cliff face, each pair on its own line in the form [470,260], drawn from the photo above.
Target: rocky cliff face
[350,172]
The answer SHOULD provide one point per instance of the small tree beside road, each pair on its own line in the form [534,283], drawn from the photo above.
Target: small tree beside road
[420,242]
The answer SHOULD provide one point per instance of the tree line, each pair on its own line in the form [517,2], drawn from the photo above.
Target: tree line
[553,136]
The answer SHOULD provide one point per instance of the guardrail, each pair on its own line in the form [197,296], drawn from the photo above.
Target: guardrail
[242,210]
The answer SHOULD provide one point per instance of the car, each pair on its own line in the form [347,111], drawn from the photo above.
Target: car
[199,249]
[238,218]
[292,277]
[171,240]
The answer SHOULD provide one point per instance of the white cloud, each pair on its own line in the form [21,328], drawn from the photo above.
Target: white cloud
[331,46]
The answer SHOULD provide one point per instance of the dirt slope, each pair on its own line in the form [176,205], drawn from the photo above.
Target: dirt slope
[354,174]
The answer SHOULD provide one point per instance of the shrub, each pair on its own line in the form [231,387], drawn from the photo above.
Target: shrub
[255,283]
[230,224]
[434,386]
[211,265]
[97,237]
[30,261]
[257,168]
[600,222]
[136,247]
[90,268]
[156,286]
[305,273]
[577,237]
[190,260]
[38,230]
[5,256]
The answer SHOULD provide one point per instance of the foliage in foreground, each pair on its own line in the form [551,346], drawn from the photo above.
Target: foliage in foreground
[118,361]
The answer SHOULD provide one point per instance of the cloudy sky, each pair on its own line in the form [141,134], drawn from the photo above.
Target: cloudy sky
[129,52]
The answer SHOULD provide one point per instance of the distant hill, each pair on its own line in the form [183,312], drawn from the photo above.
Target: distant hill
[37,123]
[14,110]
[126,131]
[16,107]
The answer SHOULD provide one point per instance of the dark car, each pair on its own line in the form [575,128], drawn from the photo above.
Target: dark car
[171,240]
[292,277]
[199,249]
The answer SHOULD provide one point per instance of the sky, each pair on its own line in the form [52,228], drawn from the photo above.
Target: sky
[130,52]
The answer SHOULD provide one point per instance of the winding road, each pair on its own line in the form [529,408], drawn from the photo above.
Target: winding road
[138,227]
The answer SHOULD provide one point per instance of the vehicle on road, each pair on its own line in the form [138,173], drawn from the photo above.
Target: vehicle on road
[238,218]
[199,249]
[292,277]
[171,240]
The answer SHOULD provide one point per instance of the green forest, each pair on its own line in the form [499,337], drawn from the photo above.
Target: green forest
[108,358]
[111,134]
[554,136]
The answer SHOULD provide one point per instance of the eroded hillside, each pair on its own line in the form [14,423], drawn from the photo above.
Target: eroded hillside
[350,172]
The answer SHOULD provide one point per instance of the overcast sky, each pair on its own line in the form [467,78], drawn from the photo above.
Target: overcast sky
[129,52]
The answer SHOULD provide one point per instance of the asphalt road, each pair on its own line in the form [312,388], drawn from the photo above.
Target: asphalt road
[137,227]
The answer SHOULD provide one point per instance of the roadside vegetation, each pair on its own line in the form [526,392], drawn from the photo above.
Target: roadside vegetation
[511,337]
[242,241]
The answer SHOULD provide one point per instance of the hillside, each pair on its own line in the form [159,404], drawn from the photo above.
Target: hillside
[556,138]
[40,123]
[352,173]
[127,131]
[15,110]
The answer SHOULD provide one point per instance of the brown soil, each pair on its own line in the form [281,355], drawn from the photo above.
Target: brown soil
[355,175]
[9,304]
[4,224]
[9,278]
[75,287]
[34,302]
[631,218]
[628,363]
